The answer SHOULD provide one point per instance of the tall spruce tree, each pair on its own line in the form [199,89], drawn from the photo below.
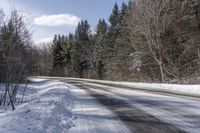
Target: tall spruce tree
[100,50]
[113,31]
[114,19]
[71,60]
[83,47]
[57,58]
[101,38]
[123,11]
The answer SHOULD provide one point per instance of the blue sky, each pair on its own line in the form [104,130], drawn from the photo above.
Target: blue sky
[49,17]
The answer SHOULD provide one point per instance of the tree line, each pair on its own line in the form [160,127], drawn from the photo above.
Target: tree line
[164,35]
[103,55]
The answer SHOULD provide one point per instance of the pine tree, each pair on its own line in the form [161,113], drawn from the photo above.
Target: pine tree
[114,19]
[123,11]
[100,50]
[57,58]
[124,33]
[102,27]
[65,53]
[101,38]
[69,55]
[100,69]
[83,47]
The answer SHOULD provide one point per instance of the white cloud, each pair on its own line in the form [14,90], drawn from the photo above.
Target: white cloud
[44,40]
[57,20]
[93,31]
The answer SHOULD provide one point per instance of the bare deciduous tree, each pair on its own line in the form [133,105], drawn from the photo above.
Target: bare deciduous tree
[14,44]
[150,20]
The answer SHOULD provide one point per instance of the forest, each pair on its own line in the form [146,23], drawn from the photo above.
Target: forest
[142,41]
[163,36]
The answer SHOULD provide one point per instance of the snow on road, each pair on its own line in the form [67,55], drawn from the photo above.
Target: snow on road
[191,90]
[182,112]
[51,106]
[93,117]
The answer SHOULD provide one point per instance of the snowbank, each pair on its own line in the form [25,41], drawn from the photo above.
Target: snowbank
[46,108]
[51,106]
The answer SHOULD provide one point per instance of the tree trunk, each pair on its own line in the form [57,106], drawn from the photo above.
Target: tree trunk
[161,72]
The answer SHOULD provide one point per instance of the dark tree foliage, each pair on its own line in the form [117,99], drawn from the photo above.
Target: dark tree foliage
[83,47]
[163,34]
[114,19]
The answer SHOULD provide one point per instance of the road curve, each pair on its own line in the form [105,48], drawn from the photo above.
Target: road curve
[144,112]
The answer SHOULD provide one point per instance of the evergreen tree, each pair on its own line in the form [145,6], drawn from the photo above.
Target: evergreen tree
[57,58]
[114,31]
[71,60]
[100,50]
[100,69]
[65,53]
[123,11]
[101,40]
[83,47]
[124,32]
[102,27]
[114,19]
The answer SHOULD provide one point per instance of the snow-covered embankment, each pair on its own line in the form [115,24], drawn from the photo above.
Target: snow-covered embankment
[46,108]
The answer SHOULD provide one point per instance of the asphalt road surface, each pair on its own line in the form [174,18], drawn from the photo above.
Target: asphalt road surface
[146,112]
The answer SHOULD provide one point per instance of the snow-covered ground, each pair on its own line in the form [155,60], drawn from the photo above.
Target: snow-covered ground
[46,108]
[52,106]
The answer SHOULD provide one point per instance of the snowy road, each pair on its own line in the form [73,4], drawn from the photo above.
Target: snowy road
[148,112]
[63,105]
[92,117]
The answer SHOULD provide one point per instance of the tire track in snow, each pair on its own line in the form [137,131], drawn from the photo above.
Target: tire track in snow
[135,119]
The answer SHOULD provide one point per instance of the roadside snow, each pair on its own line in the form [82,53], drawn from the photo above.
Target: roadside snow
[47,108]
[36,79]
[51,106]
